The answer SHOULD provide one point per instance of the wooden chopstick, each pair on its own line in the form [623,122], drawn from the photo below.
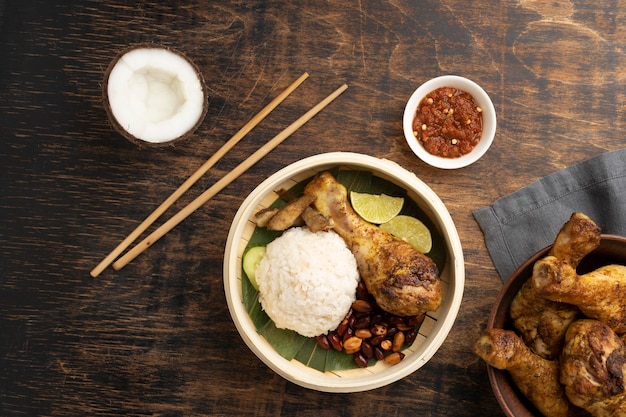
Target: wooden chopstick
[224,181]
[196,176]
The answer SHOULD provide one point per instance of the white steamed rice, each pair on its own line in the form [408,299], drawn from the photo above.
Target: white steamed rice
[307,281]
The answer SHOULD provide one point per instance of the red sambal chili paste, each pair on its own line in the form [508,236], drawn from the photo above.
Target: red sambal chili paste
[448,122]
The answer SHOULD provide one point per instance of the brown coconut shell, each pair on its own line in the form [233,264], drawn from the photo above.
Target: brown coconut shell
[121,130]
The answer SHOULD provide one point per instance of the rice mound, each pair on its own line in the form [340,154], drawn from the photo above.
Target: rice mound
[307,281]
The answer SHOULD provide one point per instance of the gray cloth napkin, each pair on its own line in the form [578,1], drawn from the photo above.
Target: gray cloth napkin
[516,226]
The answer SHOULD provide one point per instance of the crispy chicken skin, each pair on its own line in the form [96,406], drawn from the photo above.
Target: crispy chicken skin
[536,377]
[600,294]
[593,365]
[402,280]
[541,322]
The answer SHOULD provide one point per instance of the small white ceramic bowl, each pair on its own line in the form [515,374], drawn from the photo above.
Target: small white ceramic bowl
[436,326]
[482,99]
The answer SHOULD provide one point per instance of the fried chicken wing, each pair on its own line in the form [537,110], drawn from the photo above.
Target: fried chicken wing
[402,280]
[541,322]
[600,294]
[593,366]
[536,377]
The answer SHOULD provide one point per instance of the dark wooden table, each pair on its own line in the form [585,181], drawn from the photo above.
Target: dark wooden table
[156,338]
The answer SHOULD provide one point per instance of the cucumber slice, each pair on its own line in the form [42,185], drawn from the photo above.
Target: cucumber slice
[250,261]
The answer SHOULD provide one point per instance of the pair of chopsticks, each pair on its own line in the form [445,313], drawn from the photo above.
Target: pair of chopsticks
[218,186]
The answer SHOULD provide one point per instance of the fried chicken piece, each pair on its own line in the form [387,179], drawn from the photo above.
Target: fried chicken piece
[593,366]
[287,215]
[600,294]
[537,378]
[402,280]
[263,216]
[316,221]
[541,322]
[578,237]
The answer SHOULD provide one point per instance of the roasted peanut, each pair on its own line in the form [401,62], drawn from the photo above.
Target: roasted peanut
[367,349]
[403,327]
[363,333]
[386,344]
[335,341]
[395,320]
[352,345]
[351,319]
[322,341]
[398,341]
[377,318]
[413,321]
[391,332]
[347,334]
[362,306]
[394,358]
[378,353]
[361,291]
[376,340]
[362,322]
[343,326]
[360,360]
[410,336]
[369,333]
[378,329]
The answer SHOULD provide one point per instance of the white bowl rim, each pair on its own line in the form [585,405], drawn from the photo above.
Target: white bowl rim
[299,374]
[489,121]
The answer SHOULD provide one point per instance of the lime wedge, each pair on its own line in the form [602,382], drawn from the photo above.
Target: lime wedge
[250,262]
[376,208]
[410,230]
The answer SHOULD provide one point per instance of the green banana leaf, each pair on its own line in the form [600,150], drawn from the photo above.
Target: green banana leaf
[290,344]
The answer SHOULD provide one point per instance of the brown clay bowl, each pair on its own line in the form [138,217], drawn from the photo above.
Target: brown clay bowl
[612,250]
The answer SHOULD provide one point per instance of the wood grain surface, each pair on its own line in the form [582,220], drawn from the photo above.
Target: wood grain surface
[156,338]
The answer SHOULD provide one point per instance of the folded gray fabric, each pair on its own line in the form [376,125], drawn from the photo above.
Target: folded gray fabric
[518,225]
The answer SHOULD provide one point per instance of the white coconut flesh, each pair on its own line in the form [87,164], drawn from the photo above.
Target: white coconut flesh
[155,94]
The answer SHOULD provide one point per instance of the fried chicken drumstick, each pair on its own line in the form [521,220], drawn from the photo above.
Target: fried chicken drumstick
[402,280]
[541,322]
[600,294]
[578,237]
[536,377]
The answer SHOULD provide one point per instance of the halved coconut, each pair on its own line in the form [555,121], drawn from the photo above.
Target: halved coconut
[154,95]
